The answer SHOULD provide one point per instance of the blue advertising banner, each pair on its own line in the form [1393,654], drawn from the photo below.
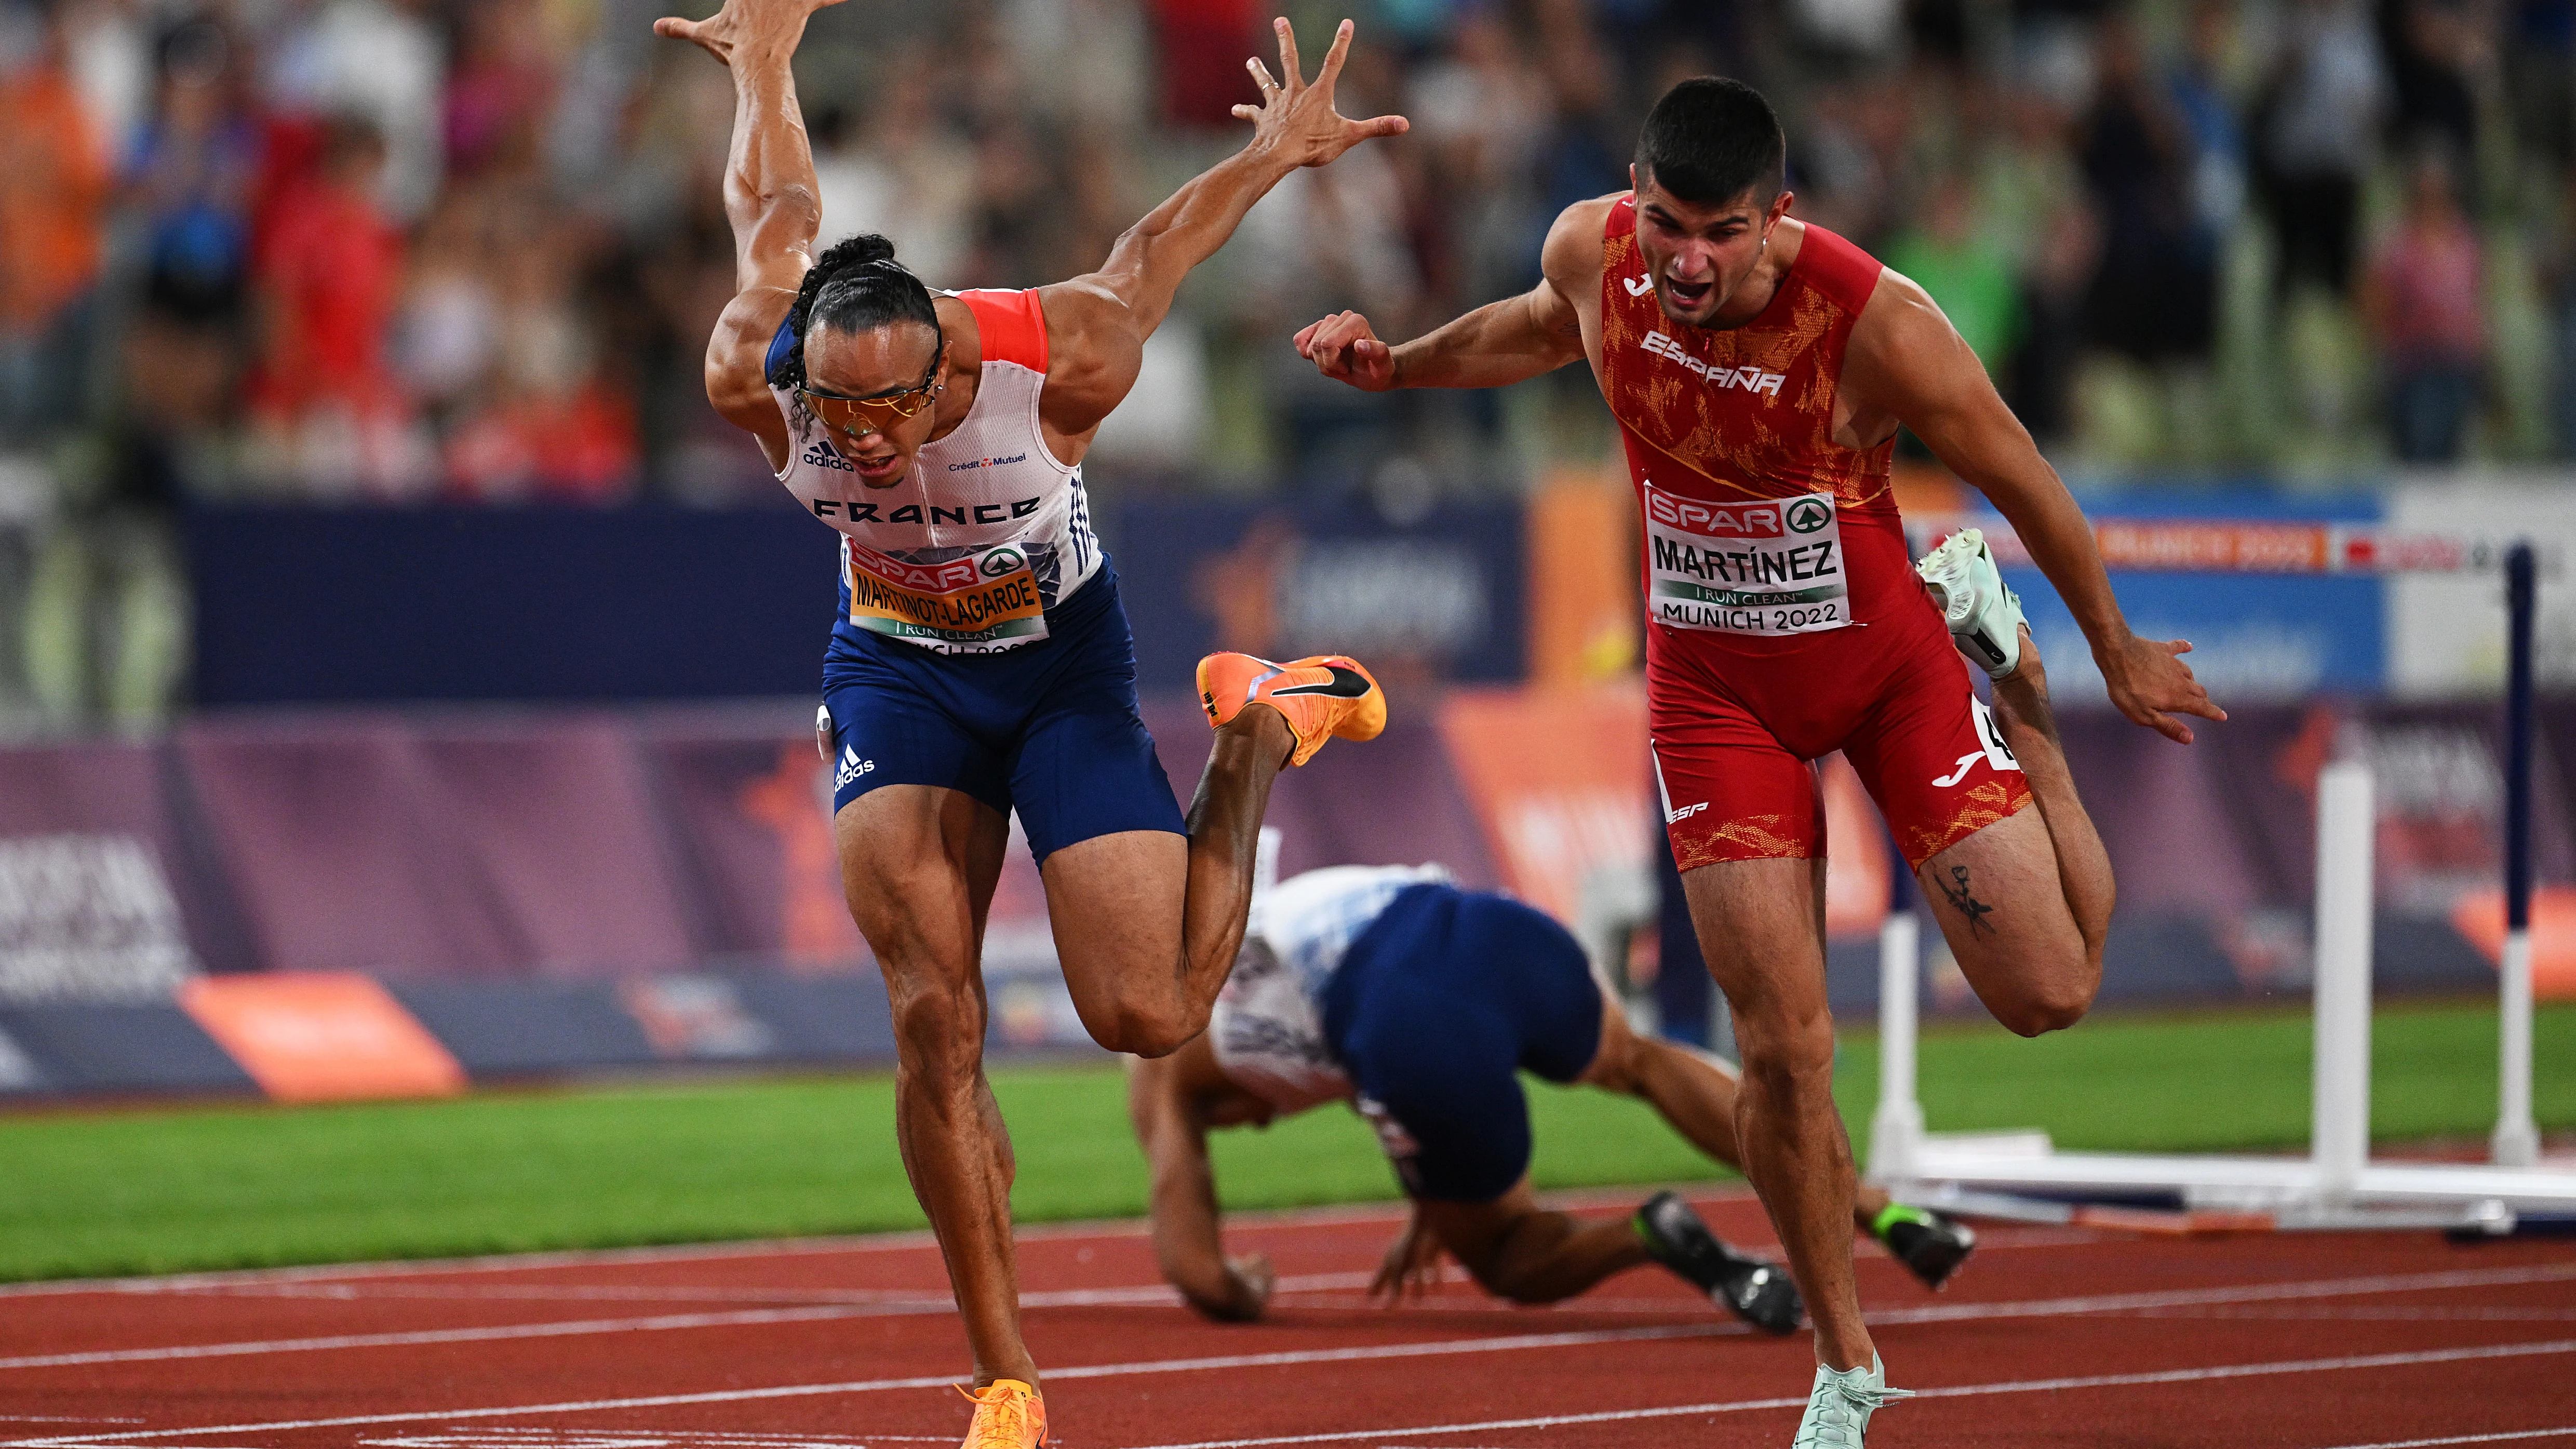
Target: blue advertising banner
[313,605]
[2256,638]
[1440,596]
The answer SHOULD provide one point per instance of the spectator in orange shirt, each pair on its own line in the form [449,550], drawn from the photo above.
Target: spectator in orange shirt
[55,176]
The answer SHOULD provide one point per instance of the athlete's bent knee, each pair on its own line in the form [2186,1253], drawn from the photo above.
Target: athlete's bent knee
[1143,1030]
[1525,1295]
[2048,1006]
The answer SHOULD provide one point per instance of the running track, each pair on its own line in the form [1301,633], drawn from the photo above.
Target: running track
[2050,1338]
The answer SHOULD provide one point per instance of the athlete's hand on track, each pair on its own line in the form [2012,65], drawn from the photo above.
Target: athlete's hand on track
[1250,1279]
[1296,121]
[2151,684]
[1412,1264]
[1345,348]
[740,22]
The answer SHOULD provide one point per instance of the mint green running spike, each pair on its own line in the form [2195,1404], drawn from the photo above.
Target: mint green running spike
[1839,1407]
[1984,617]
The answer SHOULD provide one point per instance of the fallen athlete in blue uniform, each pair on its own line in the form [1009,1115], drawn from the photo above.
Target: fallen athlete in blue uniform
[1419,1003]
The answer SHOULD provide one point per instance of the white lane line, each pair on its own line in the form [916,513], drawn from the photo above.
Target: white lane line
[2373,1315]
[681,1253]
[417,1337]
[2373,1284]
[1088,1297]
[1959,1391]
[1157,1295]
[1990,1241]
[506,1437]
[926,1381]
[2236,1293]
[621,1293]
[2569,1431]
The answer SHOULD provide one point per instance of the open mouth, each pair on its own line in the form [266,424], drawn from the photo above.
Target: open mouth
[879,471]
[1688,295]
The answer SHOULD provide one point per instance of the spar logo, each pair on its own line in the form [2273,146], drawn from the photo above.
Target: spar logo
[1729,520]
[1003,560]
[1751,379]
[1806,515]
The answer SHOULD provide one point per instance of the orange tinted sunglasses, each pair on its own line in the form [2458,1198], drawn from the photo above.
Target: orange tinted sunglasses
[879,411]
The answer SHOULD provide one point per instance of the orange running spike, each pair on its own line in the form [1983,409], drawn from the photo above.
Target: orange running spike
[1323,696]
[1008,1415]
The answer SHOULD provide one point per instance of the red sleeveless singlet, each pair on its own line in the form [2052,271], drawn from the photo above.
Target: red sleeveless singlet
[1784,619]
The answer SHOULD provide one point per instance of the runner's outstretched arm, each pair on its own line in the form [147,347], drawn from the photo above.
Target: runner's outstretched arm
[1496,345]
[1907,360]
[1112,311]
[770,199]
[1188,1245]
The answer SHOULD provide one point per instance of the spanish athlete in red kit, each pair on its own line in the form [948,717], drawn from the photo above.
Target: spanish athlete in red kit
[1759,368]
[1789,620]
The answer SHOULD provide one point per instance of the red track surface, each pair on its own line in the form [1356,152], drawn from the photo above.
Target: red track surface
[2050,1337]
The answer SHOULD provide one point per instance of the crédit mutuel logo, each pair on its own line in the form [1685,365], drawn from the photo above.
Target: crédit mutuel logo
[1751,379]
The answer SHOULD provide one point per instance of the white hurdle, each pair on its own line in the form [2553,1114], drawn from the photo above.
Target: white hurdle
[2339,1115]
[1898,1126]
[2336,1185]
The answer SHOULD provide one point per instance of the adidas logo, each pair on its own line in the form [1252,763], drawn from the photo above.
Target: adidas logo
[852,767]
[821,456]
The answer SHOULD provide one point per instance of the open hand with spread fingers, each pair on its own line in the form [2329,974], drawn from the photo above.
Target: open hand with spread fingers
[741,23]
[1296,121]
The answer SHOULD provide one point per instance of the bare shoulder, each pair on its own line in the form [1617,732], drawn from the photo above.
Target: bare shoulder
[1095,348]
[1079,313]
[1904,341]
[737,369]
[1899,314]
[1572,257]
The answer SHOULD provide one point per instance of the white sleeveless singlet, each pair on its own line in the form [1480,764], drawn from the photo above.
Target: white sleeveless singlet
[967,552]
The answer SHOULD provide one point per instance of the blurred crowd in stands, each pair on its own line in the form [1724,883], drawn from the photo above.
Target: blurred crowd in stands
[470,250]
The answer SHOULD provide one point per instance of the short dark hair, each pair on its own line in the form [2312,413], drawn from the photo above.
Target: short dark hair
[1710,140]
[855,286]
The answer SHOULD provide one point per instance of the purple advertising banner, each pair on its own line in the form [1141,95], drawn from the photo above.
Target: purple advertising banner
[598,846]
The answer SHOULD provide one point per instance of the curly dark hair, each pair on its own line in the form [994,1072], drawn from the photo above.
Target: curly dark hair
[856,285]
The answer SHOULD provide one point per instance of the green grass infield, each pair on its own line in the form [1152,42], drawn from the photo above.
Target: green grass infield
[133,1190]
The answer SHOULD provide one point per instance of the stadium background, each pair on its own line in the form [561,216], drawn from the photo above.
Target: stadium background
[408,678]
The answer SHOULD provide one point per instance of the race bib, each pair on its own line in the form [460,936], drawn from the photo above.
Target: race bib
[1769,567]
[982,600]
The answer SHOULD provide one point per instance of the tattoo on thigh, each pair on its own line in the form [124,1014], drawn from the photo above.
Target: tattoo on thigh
[1963,900]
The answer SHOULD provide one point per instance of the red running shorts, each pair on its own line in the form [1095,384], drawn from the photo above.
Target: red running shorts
[1736,723]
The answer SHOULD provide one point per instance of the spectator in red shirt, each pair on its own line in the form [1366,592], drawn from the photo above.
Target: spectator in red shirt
[330,277]
[2422,298]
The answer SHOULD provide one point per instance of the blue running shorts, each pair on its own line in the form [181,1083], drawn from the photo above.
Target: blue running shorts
[1436,1008]
[1049,729]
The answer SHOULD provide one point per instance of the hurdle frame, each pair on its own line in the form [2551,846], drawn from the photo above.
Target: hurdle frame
[2336,1184]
